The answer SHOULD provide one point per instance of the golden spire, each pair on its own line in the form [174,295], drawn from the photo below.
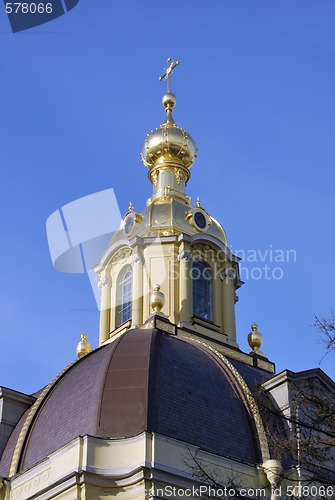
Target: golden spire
[169,99]
[169,151]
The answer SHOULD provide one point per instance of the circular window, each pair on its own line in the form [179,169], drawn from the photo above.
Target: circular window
[129,225]
[200,220]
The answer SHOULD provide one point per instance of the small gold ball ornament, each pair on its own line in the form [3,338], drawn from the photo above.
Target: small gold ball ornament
[255,339]
[83,347]
[169,100]
[157,299]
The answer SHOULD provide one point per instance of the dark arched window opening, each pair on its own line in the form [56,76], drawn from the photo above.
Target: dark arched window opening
[202,290]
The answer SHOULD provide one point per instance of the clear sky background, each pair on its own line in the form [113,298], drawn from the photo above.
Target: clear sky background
[255,89]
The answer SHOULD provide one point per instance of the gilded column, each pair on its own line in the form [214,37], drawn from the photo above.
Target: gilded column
[217,288]
[105,309]
[228,302]
[137,262]
[185,285]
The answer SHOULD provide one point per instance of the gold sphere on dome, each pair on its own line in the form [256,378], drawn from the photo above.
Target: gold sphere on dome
[169,100]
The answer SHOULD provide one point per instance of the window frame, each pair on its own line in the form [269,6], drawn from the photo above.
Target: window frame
[208,314]
[124,296]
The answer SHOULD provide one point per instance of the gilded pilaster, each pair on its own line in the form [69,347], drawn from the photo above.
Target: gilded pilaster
[218,306]
[137,312]
[105,309]
[185,283]
[228,300]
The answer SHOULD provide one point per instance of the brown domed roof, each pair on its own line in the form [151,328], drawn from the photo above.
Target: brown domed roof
[146,380]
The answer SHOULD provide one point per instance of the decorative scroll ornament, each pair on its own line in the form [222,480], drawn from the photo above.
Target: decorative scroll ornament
[104,282]
[185,255]
[154,177]
[137,259]
[179,175]
[122,255]
[227,274]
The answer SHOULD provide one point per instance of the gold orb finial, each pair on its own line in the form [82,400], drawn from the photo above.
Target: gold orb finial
[169,99]
[157,299]
[169,145]
[83,347]
[255,339]
[198,202]
[130,207]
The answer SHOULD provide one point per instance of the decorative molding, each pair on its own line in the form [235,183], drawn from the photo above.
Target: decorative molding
[225,350]
[185,255]
[227,274]
[26,426]
[137,259]
[122,255]
[166,327]
[105,282]
[265,365]
[154,176]
[179,175]
[250,399]
[33,483]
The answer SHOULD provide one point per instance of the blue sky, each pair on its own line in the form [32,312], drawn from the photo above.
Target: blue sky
[255,89]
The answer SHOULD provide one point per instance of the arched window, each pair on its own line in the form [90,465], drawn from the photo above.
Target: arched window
[202,286]
[124,296]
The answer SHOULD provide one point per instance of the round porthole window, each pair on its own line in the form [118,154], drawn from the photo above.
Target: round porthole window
[129,225]
[200,220]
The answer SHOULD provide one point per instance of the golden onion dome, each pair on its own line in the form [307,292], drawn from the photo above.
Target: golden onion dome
[169,145]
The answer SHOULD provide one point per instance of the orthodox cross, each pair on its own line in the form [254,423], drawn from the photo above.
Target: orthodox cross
[167,75]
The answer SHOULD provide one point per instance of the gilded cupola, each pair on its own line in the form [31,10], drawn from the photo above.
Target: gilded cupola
[171,257]
[169,151]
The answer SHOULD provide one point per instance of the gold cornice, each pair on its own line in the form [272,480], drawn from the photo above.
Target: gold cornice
[226,350]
